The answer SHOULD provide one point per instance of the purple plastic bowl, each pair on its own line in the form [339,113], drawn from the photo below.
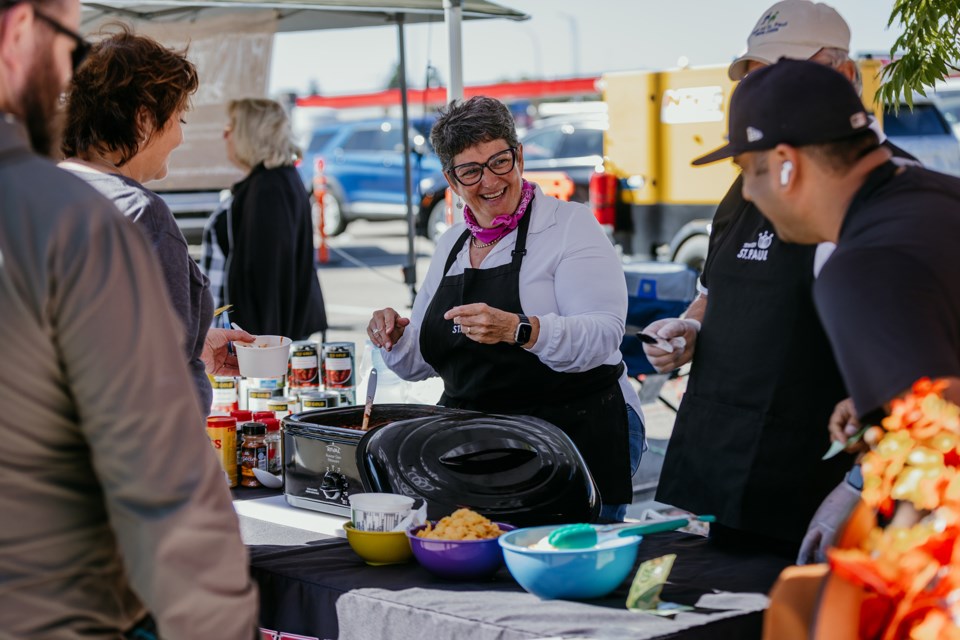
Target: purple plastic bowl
[458,559]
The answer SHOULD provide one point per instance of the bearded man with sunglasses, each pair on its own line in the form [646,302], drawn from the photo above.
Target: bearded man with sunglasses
[116,519]
[523,308]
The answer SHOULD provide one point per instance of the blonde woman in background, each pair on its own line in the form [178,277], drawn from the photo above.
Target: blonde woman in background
[265,236]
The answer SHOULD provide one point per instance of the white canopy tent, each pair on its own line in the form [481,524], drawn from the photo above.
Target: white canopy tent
[247,26]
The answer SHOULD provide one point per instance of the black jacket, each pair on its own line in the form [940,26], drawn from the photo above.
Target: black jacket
[271,276]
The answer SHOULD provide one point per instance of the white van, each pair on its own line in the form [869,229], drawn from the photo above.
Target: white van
[929,131]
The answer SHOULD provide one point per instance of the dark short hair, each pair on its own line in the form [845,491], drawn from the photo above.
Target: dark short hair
[128,83]
[840,156]
[463,124]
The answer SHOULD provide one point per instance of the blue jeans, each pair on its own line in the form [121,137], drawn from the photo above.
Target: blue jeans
[637,436]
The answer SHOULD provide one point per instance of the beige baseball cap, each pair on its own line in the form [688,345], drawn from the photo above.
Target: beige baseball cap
[795,29]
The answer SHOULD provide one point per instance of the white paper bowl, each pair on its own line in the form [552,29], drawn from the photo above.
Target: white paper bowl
[265,358]
[378,511]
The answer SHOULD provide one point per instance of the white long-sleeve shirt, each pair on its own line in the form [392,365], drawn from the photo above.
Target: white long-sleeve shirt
[571,279]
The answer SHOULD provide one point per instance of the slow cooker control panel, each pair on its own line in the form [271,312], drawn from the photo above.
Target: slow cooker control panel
[334,486]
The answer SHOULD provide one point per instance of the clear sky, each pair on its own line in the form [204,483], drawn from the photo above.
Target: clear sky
[561,39]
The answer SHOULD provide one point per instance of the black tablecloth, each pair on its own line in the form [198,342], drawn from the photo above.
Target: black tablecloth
[325,590]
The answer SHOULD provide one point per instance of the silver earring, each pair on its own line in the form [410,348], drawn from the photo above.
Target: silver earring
[459,205]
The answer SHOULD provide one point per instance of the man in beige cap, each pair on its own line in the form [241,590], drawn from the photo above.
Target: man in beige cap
[799,30]
[750,432]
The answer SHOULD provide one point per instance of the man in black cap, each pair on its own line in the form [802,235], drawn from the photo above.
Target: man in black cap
[889,296]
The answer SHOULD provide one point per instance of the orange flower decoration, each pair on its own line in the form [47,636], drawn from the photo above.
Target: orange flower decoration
[910,568]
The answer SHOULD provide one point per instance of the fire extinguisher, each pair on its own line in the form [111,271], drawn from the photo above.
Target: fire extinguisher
[603,197]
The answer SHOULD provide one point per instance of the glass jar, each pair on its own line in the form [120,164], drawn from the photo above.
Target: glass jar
[274,442]
[254,453]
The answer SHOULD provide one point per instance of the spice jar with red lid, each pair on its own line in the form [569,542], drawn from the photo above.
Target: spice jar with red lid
[254,453]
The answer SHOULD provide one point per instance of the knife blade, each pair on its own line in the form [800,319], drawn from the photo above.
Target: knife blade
[660,343]
[371,392]
[836,447]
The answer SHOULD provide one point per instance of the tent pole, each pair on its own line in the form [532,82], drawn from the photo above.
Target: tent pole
[453,16]
[410,270]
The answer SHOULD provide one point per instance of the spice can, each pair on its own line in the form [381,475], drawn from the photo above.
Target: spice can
[338,365]
[257,399]
[347,396]
[222,431]
[311,400]
[226,394]
[275,384]
[282,406]
[303,371]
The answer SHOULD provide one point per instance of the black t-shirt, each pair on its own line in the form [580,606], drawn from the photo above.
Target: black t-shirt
[889,296]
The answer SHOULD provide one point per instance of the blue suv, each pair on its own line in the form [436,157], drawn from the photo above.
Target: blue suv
[362,163]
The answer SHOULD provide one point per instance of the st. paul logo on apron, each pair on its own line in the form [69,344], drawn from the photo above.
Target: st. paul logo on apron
[757,251]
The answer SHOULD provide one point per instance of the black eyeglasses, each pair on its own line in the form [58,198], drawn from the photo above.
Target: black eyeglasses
[470,173]
[81,46]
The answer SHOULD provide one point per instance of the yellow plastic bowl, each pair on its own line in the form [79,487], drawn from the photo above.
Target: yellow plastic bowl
[379,547]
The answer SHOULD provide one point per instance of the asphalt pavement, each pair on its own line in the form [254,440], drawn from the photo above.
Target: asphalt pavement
[364,272]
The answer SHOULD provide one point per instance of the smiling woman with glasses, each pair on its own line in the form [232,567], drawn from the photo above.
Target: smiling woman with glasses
[470,173]
[523,308]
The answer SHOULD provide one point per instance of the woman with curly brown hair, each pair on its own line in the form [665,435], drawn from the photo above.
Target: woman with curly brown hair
[125,109]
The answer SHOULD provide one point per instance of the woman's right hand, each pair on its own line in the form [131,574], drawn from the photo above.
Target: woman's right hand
[385,328]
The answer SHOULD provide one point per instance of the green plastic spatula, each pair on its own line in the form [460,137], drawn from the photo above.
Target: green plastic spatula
[584,536]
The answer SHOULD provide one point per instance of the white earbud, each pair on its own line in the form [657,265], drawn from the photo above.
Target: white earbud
[785,172]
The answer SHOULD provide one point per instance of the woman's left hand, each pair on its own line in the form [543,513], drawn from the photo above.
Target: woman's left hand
[216,356]
[482,323]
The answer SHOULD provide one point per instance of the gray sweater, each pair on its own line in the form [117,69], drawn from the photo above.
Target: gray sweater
[186,284]
[112,502]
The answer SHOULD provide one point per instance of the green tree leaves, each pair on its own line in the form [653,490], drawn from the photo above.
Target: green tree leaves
[930,48]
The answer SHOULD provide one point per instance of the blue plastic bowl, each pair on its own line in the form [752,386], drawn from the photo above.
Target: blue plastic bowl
[575,574]
[458,559]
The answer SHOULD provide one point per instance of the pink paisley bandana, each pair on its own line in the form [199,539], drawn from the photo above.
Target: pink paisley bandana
[502,225]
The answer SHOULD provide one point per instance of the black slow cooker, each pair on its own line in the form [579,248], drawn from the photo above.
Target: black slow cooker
[515,469]
[320,457]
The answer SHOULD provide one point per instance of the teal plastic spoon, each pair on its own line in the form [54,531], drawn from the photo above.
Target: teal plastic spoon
[584,536]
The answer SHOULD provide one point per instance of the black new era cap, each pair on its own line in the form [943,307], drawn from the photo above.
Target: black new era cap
[794,102]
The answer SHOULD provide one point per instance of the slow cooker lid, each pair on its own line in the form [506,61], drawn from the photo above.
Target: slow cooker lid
[484,460]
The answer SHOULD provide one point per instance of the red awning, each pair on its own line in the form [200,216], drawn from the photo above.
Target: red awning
[502,91]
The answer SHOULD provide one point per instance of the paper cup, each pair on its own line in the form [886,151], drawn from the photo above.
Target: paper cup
[378,511]
[265,358]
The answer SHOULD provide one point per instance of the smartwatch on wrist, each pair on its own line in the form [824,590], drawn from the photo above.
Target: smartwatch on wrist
[524,331]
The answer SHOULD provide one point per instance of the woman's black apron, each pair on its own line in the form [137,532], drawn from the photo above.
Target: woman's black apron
[752,428]
[505,378]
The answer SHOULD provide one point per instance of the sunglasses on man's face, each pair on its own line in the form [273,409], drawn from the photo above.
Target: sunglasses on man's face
[81,46]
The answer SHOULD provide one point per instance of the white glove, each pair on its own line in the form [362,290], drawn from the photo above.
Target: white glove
[681,333]
[827,523]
